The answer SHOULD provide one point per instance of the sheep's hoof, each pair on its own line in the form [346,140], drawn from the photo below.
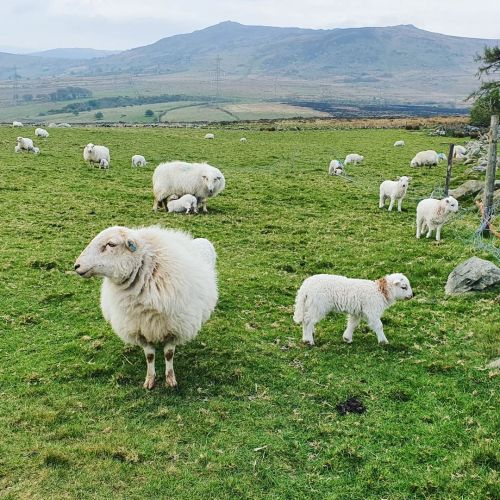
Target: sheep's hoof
[149,383]
[170,380]
[308,343]
[347,340]
[383,342]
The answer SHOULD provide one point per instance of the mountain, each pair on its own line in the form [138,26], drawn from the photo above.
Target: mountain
[75,53]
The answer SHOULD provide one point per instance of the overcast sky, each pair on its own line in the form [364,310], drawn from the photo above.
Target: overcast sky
[123,24]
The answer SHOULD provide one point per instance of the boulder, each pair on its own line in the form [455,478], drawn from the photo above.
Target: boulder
[473,275]
[468,188]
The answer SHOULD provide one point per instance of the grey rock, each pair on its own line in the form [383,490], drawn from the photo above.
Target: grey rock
[473,275]
[494,364]
[468,188]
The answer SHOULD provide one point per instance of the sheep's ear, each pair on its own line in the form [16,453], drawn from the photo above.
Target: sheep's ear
[447,200]
[131,245]
[396,282]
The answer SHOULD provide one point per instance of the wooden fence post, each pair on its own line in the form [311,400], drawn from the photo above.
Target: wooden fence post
[489,186]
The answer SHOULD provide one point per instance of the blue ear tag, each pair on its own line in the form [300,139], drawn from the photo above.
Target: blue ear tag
[131,246]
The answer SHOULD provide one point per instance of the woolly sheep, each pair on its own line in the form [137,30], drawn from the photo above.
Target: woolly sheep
[399,144]
[209,136]
[353,158]
[187,203]
[138,161]
[177,177]
[41,132]
[243,139]
[94,154]
[25,143]
[207,250]
[17,124]
[359,298]
[433,214]
[104,163]
[157,288]
[459,153]
[423,158]
[395,190]
[336,167]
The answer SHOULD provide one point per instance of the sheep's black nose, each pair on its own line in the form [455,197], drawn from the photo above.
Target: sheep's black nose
[77,266]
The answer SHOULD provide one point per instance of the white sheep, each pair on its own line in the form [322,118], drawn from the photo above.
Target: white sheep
[17,124]
[41,132]
[177,177]
[25,143]
[394,190]
[433,214]
[353,158]
[209,136]
[104,163]
[52,125]
[35,150]
[336,168]
[360,299]
[243,139]
[459,153]
[94,154]
[207,250]
[138,161]
[17,149]
[399,144]
[187,203]
[429,157]
[442,156]
[157,288]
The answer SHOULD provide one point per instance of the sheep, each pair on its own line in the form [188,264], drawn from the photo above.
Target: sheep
[395,190]
[336,168]
[433,214]
[209,136]
[359,298]
[17,149]
[35,150]
[94,154]
[52,125]
[353,158]
[177,177]
[157,288]
[41,132]
[17,124]
[423,158]
[459,153]
[138,161]
[399,144]
[187,203]
[25,143]
[442,156]
[207,250]
[243,139]
[104,163]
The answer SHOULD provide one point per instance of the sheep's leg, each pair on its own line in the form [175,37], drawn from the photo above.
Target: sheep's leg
[429,231]
[352,324]
[204,204]
[169,351]
[308,332]
[149,351]
[376,325]
[155,205]
[400,201]
[381,202]
[391,204]
[438,232]
[419,227]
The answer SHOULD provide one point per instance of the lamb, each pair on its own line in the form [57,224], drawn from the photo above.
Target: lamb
[187,203]
[209,136]
[353,158]
[243,139]
[459,153]
[433,214]
[177,177]
[359,298]
[17,124]
[94,154]
[104,163]
[207,250]
[399,144]
[138,161]
[25,143]
[395,190]
[336,168]
[41,132]
[157,288]
[423,158]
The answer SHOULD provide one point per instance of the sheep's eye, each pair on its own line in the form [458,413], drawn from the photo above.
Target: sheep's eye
[111,244]
[404,287]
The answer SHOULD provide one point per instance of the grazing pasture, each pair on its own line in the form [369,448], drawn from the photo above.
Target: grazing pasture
[255,414]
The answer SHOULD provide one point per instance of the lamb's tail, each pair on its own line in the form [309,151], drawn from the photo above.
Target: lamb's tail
[300,301]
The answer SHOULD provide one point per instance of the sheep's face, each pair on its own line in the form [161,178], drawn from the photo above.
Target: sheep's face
[442,156]
[404,181]
[212,181]
[451,204]
[89,148]
[400,287]
[113,254]
[414,163]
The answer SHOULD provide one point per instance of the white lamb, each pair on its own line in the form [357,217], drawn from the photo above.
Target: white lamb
[25,143]
[17,124]
[138,161]
[429,157]
[395,190]
[360,299]
[459,153]
[209,136]
[207,250]
[243,139]
[353,158]
[335,168]
[41,132]
[399,144]
[157,288]
[104,163]
[187,203]
[433,214]
[180,178]
[94,154]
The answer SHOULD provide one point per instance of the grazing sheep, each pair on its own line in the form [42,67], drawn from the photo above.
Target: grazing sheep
[138,161]
[243,139]
[399,144]
[157,288]
[187,203]
[94,154]
[433,214]
[35,150]
[177,177]
[209,136]
[104,163]
[17,124]
[336,168]
[25,143]
[359,298]
[207,250]
[423,158]
[41,132]
[395,190]
[459,153]
[353,158]
[442,156]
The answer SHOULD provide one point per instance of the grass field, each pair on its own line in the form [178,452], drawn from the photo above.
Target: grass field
[255,413]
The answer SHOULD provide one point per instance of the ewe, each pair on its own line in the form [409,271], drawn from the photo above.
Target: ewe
[336,167]
[94,154]
[399,144]
[353,158]
[209,136]
[157,288]
[433,214]
[41,132]
[25,144]
[138,161]
[395,190]
[360,299]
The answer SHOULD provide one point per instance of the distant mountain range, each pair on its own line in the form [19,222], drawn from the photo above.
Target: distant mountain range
[400,58]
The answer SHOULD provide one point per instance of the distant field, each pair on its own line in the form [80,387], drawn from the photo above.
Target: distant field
[255,415]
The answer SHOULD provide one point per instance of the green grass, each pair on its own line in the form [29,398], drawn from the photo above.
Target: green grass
[255,413]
